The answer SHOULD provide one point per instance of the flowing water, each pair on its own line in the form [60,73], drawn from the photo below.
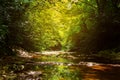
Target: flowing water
[56,66]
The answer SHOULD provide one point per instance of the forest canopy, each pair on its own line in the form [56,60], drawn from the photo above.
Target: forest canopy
[71,25]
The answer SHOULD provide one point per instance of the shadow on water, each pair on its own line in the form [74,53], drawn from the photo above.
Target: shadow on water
[55,67]
[101,72]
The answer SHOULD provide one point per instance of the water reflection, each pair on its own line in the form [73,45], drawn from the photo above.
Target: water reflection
[57,72]
[60,67]
[61,72]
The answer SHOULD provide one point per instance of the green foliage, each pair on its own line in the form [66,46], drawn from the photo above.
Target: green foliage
[50,23]
[3,32]
[109,54]
[83,37]
[36,25]
[47,25]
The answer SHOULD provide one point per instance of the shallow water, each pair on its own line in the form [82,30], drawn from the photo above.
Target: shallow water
[56,67]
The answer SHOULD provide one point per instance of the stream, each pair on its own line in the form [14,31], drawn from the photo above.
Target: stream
[55,65]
